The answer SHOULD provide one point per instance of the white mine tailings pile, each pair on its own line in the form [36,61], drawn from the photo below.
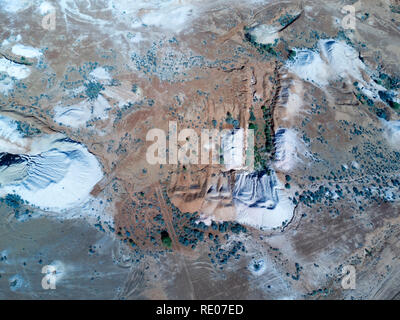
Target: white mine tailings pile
[334,61]
[49,171]
[260,201]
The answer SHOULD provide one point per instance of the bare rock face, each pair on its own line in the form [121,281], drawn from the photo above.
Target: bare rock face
[301,181]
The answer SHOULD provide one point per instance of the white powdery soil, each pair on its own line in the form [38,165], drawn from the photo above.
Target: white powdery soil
[289,148]
[100,74]
[77,115]
[332,61]
[173,15]
[10,139]
[14,6]
[392,132]
[233,149]
[265,34]
[309,66]
[14,70]
[261,201]
[26,51]
[267,219]
[46,7]
[10,72]
[52,171]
